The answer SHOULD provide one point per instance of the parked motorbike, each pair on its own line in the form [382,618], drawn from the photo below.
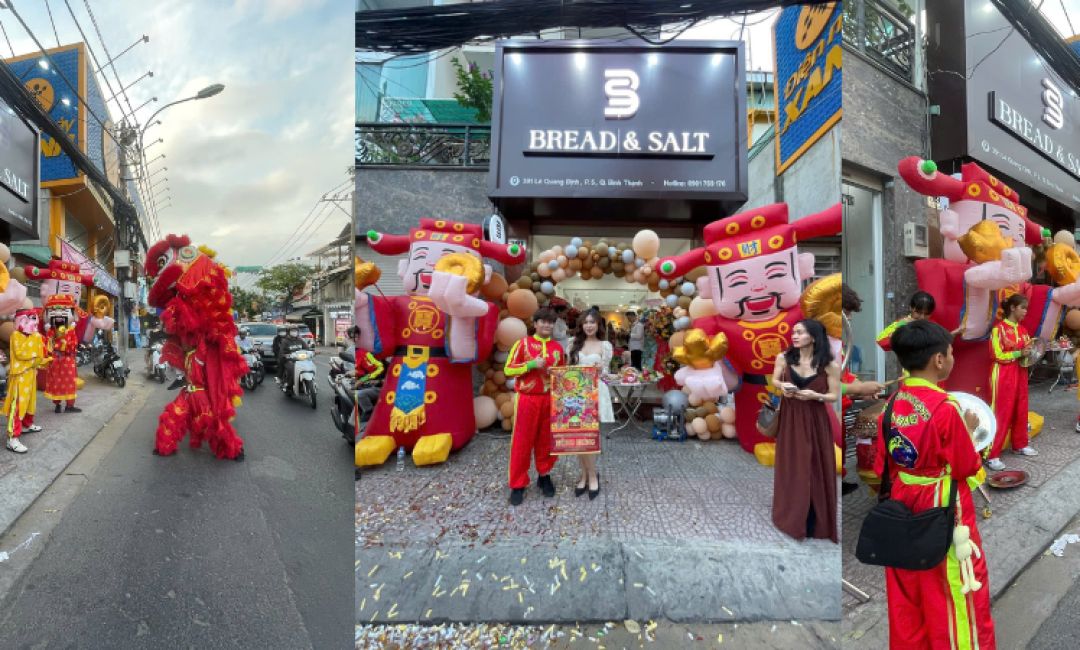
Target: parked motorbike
[83,354]
[155,365]
[256,372]
[107,363]
[344,395]
[300,375]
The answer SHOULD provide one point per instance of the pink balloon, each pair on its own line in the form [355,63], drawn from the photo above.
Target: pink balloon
[544,270]
[562,260]
[729,431]
[546,256]
[699,426]
[558,275]
[485,411]
[727,414]
[558,250]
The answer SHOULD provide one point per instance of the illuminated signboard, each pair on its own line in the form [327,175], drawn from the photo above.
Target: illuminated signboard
[806,40]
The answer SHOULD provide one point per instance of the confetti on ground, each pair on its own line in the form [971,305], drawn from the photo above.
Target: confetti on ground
[726,610]
[632,626]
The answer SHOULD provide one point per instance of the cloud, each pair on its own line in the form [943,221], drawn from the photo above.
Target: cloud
[246,166]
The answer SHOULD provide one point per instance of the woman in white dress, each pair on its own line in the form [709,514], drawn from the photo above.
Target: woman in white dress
[589,347]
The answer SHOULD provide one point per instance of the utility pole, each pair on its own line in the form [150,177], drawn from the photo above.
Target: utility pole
[127,137]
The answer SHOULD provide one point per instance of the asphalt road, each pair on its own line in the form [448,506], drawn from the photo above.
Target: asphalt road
[192,552]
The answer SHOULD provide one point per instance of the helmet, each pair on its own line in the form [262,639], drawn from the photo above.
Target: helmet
[353,331]
[244,331]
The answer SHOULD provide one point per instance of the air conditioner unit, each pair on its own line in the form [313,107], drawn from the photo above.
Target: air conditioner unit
[916,240]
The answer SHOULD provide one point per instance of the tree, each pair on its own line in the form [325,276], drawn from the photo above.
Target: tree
[476,90]
[247,303]
[281,281]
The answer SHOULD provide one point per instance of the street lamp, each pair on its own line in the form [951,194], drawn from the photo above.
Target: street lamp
[205,93]
[152,144]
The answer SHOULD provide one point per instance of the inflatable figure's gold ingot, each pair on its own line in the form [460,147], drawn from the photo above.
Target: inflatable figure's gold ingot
[822,301]
[430,450]
[374,450]
[464,264]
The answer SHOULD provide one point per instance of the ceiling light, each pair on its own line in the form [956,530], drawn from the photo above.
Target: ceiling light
[43,63]
[515,57]
[580,60]
[653,59]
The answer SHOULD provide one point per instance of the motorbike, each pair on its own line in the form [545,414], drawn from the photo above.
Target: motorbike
[83,355]
[107,363]
[344,396]
[155,364]
[256,372]
[300,375]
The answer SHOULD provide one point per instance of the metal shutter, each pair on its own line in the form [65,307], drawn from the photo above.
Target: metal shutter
[389,283]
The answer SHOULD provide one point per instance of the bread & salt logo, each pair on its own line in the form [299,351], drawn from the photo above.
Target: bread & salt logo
[621,90]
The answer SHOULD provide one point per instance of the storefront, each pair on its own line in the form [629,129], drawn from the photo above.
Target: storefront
[1014,116]
[78,216]
[20,165]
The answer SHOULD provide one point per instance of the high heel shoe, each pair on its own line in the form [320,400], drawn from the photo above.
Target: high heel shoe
[595,493]
[578,491]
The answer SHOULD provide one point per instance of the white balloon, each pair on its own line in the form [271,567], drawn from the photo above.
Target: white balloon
[500,356]
[664,284]
[553,264]
[547,287]
[639,262]
[687,288]
[576,242]
[627,256]
[612,252]
[672,301]
[510,383]
[682,323]
[571,251]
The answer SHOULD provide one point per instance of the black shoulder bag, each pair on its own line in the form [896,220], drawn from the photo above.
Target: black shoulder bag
[895,537]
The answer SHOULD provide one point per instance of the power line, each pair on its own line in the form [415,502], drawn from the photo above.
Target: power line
[53,22]
[1067,19]
[8,40]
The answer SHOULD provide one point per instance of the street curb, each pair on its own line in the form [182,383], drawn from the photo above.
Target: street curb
[600,580]
[38,469]
[1017,539]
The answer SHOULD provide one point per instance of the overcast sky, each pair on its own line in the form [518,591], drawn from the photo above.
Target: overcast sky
[244,167]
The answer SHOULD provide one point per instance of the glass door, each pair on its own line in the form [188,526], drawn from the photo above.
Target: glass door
[861,267]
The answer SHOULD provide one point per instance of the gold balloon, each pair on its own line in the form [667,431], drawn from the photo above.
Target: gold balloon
[7,328]
[101,306]
[1063,263]
[463,264]
[699,351]
[983,242]
[822,301]
[19,273]
[5,253]
[367,273]
[4,278]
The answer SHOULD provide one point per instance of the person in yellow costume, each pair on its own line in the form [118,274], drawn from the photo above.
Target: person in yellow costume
[27,356]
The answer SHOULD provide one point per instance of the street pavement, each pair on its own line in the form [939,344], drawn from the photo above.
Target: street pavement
[1024,520]
[681,531]
[191,551]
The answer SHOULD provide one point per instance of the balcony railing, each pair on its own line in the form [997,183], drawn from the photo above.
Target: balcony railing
[882,33]
[430,145]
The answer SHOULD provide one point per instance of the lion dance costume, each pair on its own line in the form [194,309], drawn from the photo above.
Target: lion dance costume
[27,355]
[192,292]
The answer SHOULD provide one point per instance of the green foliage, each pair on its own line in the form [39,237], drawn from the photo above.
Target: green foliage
[476,90]
[247,303]
[281,281]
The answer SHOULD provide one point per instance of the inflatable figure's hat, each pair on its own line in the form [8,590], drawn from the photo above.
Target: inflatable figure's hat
[450,232]
[761,231]
[975,184]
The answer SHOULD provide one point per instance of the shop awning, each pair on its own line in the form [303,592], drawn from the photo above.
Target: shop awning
[298,315]
[35,252]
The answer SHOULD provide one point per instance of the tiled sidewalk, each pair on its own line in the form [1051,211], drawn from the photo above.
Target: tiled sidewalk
[651,490]
[1058,445]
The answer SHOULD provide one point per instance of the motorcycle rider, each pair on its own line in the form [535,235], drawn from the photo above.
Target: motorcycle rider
[153,337]
[245,344]
[291,343]
[277,342]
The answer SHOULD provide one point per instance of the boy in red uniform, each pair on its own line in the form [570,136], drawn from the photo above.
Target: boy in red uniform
[527,364]
[929,444]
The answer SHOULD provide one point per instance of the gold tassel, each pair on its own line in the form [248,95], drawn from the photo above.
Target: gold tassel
[399,421]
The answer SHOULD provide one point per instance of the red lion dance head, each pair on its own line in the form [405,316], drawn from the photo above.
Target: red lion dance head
[190,288]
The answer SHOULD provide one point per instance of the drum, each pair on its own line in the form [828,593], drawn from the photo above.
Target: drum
[984,433]
[866,423]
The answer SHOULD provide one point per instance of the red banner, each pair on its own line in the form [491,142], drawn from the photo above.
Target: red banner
[575,410]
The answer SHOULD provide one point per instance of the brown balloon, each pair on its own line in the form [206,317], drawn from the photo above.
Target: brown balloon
[508,424]
[575,264]
[597,272]
[536,287]
[522,304]
[495,288]
[685,301]
[692,276]
[19,273]
[713,422]
[6,330]
[582,253]
[535,276]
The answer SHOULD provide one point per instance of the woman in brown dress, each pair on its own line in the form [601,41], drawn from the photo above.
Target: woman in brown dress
[804,486]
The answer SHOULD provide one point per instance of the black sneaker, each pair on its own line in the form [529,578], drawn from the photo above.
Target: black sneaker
[58,410]
[177,383]
[545,484]
[73,409]
[240,457]
[516,496]
[847,488]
